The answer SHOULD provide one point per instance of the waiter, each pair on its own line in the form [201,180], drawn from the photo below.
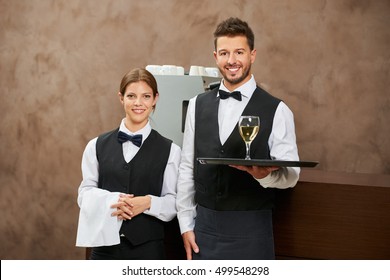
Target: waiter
[225,212]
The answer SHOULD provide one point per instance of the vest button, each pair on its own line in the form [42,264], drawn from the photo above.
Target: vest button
[219,193]
[126,166]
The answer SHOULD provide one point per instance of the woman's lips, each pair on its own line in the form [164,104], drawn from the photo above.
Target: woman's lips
[138,111]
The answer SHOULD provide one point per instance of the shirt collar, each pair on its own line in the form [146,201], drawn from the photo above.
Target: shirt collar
[246,89]
[145,131]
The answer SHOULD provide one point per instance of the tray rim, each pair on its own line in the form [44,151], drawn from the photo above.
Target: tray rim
[257,162]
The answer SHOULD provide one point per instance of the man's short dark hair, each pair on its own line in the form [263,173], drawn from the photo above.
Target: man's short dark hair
[234,27]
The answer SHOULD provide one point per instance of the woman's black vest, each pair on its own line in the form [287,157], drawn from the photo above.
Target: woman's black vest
[141,176]
[221,187]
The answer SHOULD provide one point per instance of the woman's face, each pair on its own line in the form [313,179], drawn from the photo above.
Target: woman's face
[138,102]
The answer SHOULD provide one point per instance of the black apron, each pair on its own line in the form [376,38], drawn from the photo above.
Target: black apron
[234,235]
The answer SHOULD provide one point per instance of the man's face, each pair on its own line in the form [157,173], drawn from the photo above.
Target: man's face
[234,59]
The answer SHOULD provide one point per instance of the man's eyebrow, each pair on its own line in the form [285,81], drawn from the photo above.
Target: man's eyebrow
[225,50]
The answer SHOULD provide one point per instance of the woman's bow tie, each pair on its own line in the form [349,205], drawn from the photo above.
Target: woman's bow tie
[135,139]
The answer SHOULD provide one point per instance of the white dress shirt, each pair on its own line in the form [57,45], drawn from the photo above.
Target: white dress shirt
[96,225]
[282,144]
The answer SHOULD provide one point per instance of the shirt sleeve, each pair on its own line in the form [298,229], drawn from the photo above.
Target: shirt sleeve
[282,144]
[185,202]
[164,207]
[89,169]
[96,226]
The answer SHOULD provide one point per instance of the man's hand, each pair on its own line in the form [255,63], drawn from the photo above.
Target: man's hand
[190,244]
[258,172]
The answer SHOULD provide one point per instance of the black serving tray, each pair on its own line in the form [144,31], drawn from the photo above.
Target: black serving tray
[257,162]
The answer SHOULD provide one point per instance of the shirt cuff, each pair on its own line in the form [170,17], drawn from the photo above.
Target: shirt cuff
[155,206]
[186,223]
[266,181]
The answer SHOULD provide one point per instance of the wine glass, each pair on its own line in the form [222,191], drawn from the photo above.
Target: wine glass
[249,127]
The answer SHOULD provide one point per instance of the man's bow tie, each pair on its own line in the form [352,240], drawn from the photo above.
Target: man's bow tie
[235,94]
[136,139]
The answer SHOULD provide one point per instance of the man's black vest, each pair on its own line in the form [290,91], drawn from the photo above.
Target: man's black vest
[221,187]
[141,176]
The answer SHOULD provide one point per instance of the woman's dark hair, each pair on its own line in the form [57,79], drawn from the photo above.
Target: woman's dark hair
[137,75]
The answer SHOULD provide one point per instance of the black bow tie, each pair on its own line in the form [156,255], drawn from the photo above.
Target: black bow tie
[235,94]
[136,139]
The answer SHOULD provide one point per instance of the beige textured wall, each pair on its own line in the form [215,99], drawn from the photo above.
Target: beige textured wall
[61,63]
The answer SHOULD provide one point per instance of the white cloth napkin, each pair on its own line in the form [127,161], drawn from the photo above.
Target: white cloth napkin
[96,225]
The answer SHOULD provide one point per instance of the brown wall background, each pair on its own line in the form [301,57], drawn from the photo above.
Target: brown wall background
[61,63]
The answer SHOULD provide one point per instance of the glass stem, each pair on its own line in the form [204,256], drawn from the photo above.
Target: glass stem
[248,149]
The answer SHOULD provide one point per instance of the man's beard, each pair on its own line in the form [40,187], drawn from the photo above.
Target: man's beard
[236,80]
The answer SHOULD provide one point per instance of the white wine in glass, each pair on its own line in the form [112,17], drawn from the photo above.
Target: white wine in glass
[249,127]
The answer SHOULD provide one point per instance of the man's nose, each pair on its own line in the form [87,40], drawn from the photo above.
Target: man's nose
[232,58]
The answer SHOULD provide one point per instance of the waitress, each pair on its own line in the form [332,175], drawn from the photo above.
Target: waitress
[129,180]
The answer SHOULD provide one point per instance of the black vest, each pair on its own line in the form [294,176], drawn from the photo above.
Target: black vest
[221,187]
[141,176]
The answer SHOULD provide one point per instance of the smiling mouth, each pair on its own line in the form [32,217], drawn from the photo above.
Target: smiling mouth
[233,70]
[138,111]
